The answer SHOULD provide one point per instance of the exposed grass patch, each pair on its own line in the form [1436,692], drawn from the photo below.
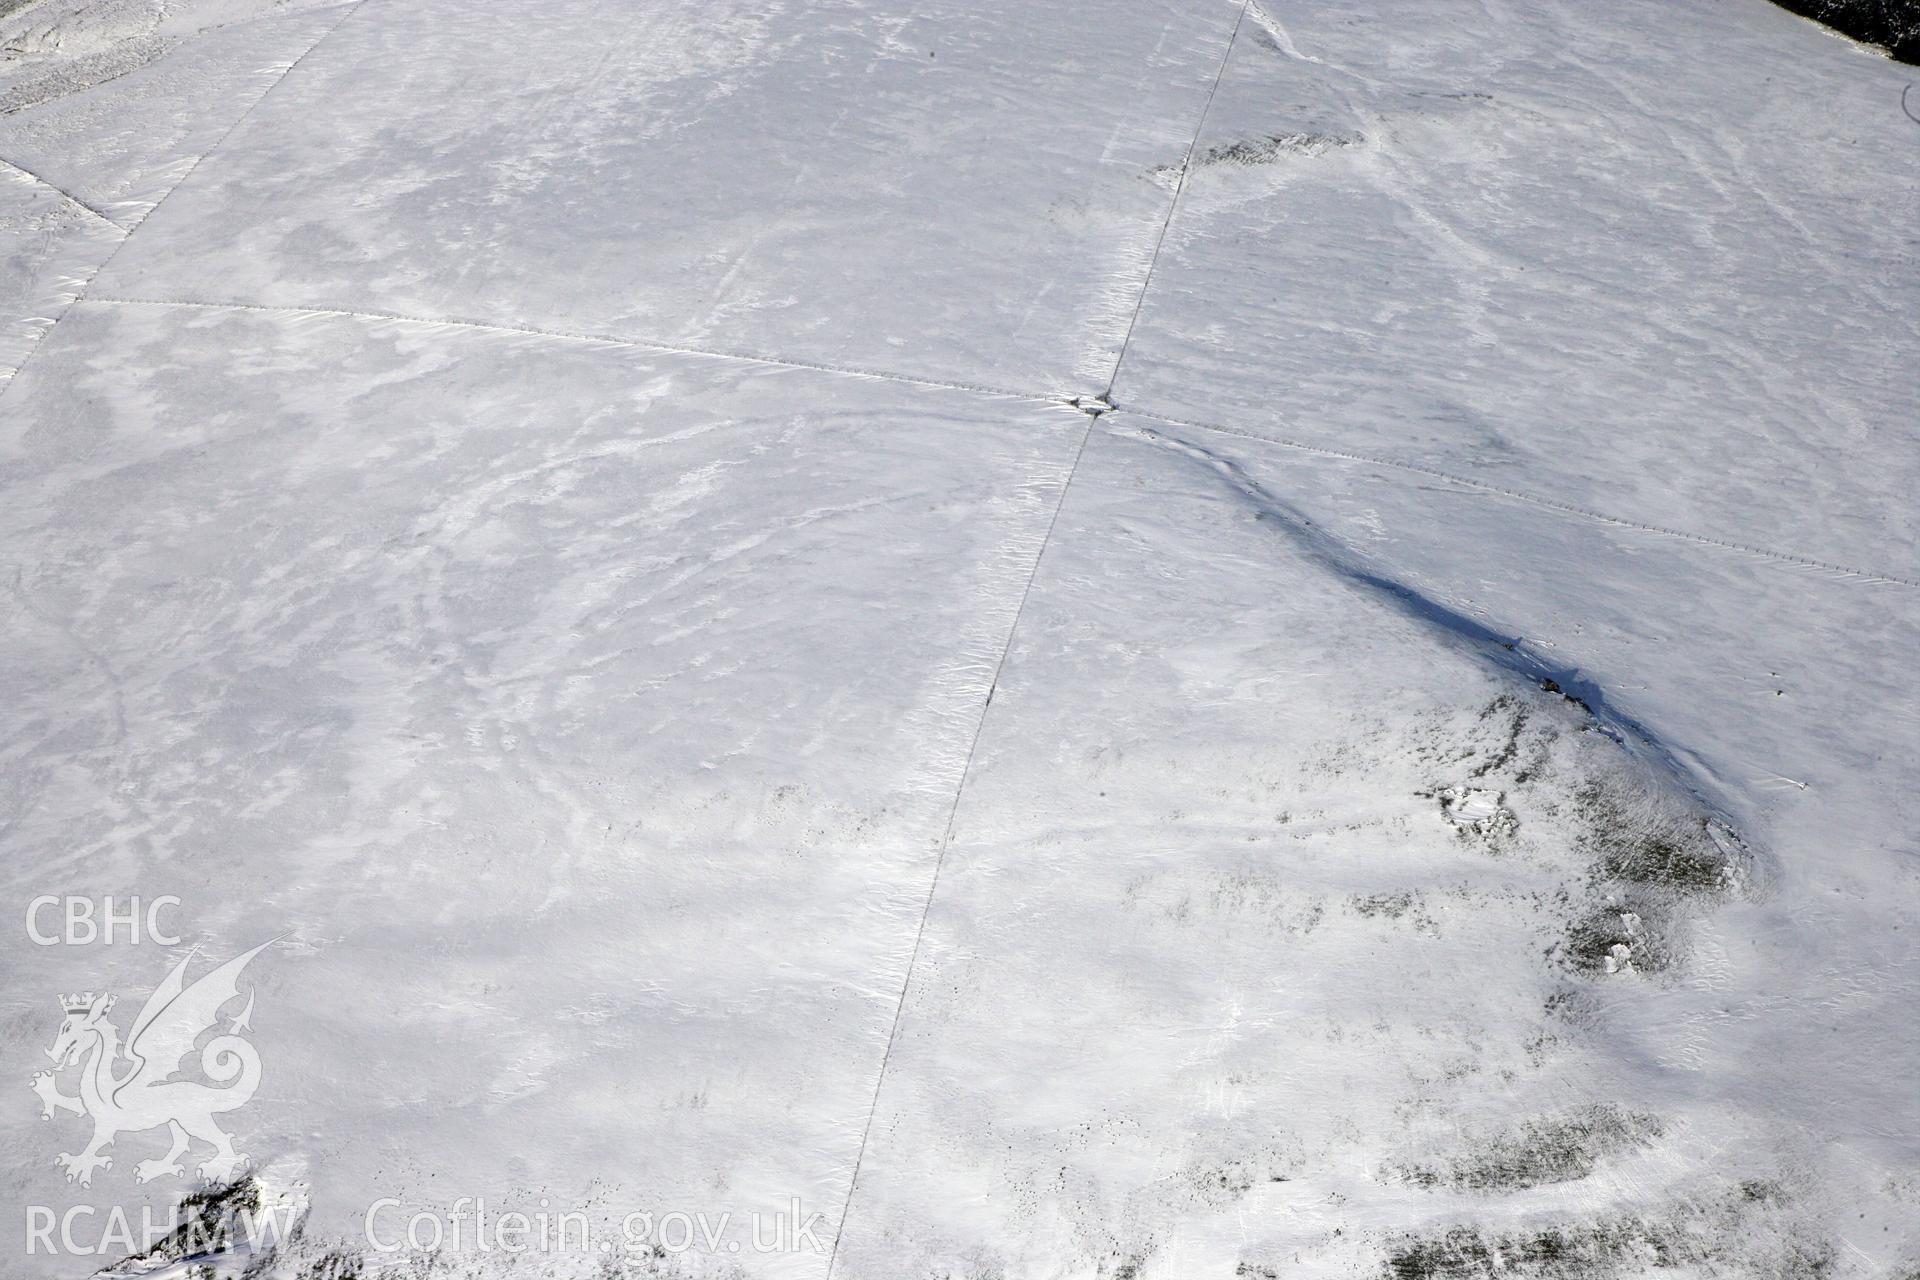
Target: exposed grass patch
[1390,905]
[1553,1149]
[1406,905]
[1689,864]
[208,1219]
[1638,842]
[1591,1250]
[1516,717]
[336,1265]
[1613,939]
[1746,1230]
[1252,151]
[1652,864]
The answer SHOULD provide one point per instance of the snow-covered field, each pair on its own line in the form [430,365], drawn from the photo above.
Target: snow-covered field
[569,519]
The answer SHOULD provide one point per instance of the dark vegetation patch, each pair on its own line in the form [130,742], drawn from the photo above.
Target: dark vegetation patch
[1638,843]
[1692,864]
[1232,1179]
[1651,865]
[1390,905]
[1515,715]
[1265,150]
[1894,25]
[335,1265]
[1746,1231]
[1513,741]
[1220,1181]
[1405,905]
[208,1219]
[1551,1149]
[1608,939]
[1648,856]
[1578,1251]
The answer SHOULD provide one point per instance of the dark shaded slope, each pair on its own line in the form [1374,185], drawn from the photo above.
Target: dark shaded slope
[1892,24]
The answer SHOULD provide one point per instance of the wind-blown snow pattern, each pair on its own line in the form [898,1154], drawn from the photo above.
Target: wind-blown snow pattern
[965,641]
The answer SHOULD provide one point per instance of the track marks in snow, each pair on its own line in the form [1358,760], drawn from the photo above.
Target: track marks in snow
[596,339]
[1869,576]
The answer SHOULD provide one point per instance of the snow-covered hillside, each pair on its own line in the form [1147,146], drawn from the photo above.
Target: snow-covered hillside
[1163,640]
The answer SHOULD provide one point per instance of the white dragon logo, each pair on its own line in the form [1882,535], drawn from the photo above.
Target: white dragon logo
[144,1095]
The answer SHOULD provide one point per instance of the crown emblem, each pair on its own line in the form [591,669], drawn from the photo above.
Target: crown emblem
[79,1002]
